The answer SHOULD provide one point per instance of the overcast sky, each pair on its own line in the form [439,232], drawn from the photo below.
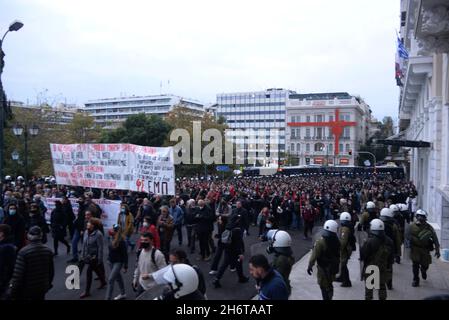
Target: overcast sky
[81,50]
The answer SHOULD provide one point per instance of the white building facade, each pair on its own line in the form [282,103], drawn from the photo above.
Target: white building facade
[256,122]
[325,128]
[110,112]
[424,105]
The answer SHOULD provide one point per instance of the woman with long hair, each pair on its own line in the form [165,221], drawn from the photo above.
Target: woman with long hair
[118,260]
[93,254]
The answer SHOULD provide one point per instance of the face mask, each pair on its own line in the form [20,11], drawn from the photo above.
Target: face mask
[12,212]
[145,245]
[123,210]
[146,224]
[268,225]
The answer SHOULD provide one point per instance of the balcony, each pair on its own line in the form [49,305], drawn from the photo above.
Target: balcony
[307,138]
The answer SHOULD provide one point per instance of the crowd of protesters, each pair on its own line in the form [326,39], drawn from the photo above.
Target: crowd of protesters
[216,214]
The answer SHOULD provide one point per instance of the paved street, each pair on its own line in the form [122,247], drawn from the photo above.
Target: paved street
[231,289]
[305,287]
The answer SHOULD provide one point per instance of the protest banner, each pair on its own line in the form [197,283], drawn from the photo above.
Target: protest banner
[110,208]
[115,166]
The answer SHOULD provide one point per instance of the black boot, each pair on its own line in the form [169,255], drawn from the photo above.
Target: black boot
[424,273]
[415,275]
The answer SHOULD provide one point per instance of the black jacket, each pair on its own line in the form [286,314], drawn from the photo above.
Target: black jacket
[118,254]
[79,222]
[68,212]
[17,224]
[204,219]
[7,260]
[33,272]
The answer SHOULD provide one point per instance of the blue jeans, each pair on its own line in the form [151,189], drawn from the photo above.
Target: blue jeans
[115,275]
[328,214]
[75,241]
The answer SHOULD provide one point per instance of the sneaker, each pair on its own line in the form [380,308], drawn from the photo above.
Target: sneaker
[120,297]
[216,283]
[84,295]
[243,280]
[212,272]
[232,269]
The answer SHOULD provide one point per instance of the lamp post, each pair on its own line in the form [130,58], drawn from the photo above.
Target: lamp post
[33,131]
[14,26]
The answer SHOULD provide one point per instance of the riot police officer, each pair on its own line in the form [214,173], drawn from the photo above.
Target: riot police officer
[326,252]
[369,214]
[347,245]
[280,244]
[377,251]
[423,240]
[392,231]
[182,283]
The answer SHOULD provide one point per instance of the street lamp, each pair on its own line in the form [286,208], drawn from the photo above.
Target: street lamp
[33,131]
[15,155]
[14,26]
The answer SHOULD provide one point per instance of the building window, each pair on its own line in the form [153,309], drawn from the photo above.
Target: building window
[318,118]
[319,146]
[293,147]
[307,147]
[348,147]
[308,132]
[340,147]
[346,132]
[319,133]
[307,118]
[293,132]
[298,147]
[330,147]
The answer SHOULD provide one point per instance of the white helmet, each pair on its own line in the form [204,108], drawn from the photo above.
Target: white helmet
[386,212]
[279,239]
[421,212]
[20,178]
[394,208]
[331,226]
[343,201]
[345,216]
[377,225]
[182,278]
[402,207]
[370,205]
[8,178]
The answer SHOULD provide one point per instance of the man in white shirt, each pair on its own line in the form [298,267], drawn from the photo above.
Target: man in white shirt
[150,260]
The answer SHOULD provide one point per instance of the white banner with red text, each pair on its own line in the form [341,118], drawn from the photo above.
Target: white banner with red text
[115,166]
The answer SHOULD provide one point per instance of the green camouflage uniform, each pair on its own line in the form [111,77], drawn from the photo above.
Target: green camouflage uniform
[377,251]
[326,267]
[423,240]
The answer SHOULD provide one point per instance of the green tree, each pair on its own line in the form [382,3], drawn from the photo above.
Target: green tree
[139,129]
[82,129]
[182,118]
[386,129]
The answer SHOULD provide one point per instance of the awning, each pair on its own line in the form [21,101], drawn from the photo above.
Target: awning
[404,143]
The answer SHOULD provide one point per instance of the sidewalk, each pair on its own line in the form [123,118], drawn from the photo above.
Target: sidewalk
[305,287]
